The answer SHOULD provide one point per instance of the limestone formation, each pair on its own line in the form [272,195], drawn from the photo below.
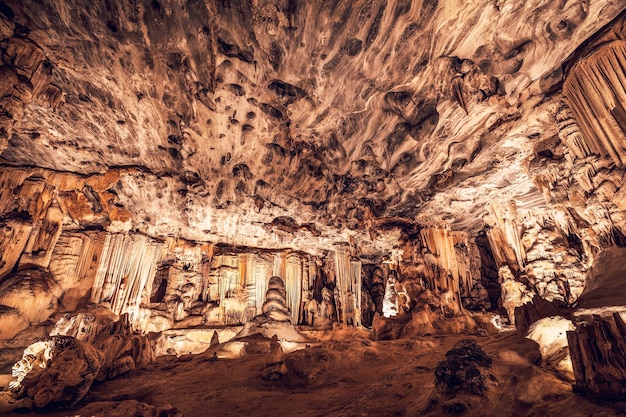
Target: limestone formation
[275,368]
[82,348]
[597,349]
[274,321]
[33,292]
[12,321]
[58,371]
[250,169]
[275,306]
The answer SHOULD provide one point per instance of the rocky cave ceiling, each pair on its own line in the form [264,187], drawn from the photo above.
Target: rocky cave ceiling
[291,123]
[184,176]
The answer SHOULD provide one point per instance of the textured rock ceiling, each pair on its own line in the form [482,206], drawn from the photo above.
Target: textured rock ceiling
[291,123]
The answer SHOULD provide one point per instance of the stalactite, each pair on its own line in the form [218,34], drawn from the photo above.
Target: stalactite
[228,273]
[228,285]
[73,255]
[502,251]
[280,260]
[73,264]
[42,238]
[207,258]
[293,285]
[570,133]
[128,265]
[507,224]
[313,276]
[305,293]
[440,245]
[263,269]
[448,262]
[247,269]
[357,282]
[595,90]
[224,266]
[467,271]
[349,282]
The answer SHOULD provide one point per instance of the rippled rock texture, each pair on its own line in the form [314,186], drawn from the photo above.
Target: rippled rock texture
[395,163]
[307,119]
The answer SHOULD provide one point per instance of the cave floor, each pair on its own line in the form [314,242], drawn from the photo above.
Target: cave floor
[349,375]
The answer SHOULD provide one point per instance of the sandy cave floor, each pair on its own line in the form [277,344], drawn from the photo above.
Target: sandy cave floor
[350,375]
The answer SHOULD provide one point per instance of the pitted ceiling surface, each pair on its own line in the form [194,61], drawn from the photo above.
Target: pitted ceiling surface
[319,121]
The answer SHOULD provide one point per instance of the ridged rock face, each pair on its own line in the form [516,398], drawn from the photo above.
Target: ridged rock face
[474,147]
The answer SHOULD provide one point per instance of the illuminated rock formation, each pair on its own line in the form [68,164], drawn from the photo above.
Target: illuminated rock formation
[594,90]
[233,168]
[275,319]
[83,348]
[275,306]
[32,292]
[59,371]
[597,349]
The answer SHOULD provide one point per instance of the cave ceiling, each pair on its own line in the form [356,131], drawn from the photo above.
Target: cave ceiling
[293,123]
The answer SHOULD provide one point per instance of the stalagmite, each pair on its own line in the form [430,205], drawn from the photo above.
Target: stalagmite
[390,302]
[275,306]
[514,293]
[275,321]
[82,326]
[239,282]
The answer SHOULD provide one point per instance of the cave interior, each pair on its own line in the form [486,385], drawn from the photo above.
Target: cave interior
[321,208]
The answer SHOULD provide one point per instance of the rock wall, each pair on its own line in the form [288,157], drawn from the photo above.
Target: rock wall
[597,349]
